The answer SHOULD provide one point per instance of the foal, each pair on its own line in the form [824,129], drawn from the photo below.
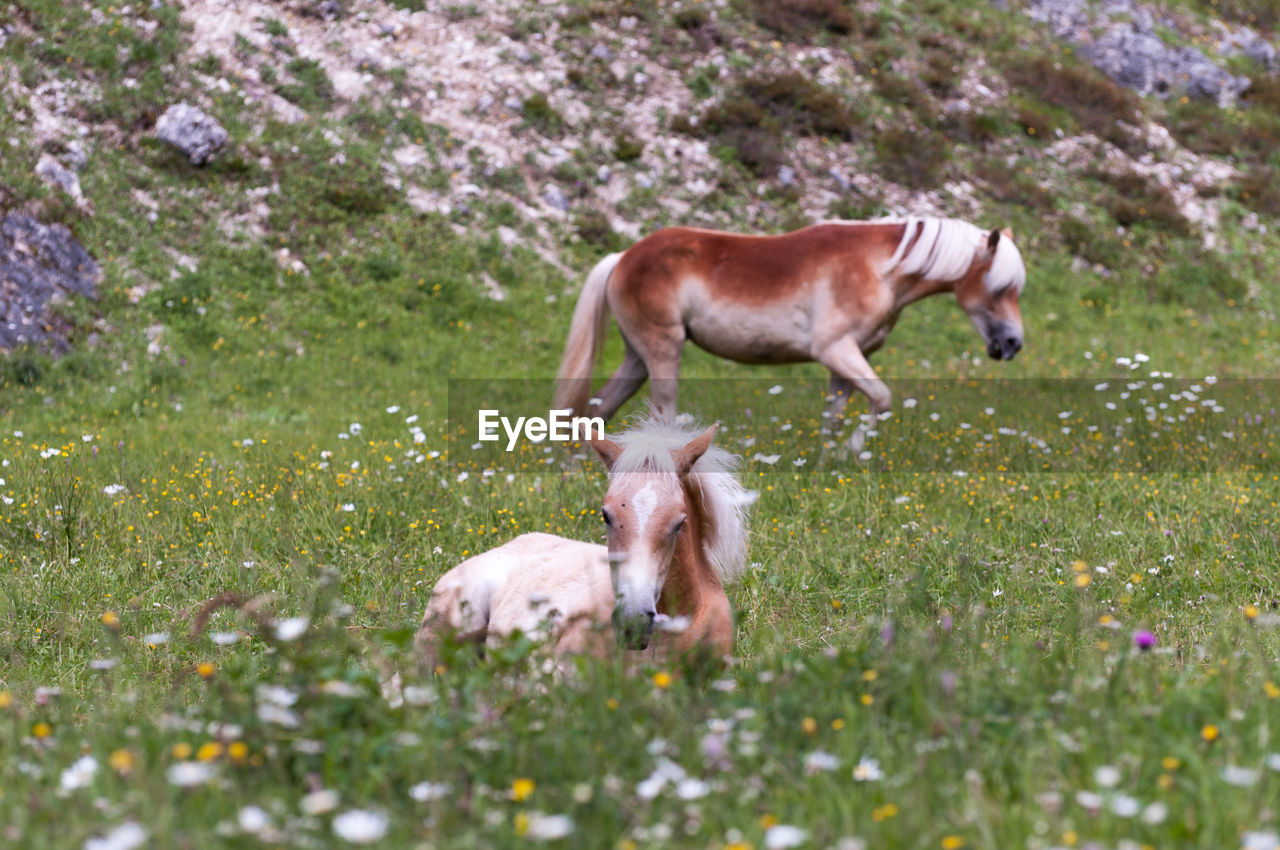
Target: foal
[675,520]
[830,293]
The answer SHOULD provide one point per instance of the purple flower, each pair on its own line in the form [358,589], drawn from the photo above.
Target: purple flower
[1144,639]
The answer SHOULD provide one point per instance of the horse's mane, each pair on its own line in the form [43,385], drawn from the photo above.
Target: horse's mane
[945,250]
[647,447]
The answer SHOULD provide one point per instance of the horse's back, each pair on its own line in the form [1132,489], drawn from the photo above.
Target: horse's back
[524,585]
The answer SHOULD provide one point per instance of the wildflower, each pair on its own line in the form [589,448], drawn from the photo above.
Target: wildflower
[1273,761]
[819,761]
[156,639]
[692,789]
[522,789]
[1090,800]
[110,620]
[6,700]
[1082,580]
[79,774]
[121,761]
[113,489]
[662,679]
[1241,777]
[1209,732]
[238,751]
[209,751]
[205,669]
[1144,639]
[126,836]
[1260,841]
[809,725]
[253,819]
[224,638]
[360,826]
[1107,776]
[1124,805]
[319,802]
[290,629]
[781,836]
[1155,813]
[542,827]
[868,770]
[1251,612]
[186,774]
[42,730]
[424,792]
[1271,689]
[952,842]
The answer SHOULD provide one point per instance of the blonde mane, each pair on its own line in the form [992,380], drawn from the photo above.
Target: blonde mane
[647,447]
[945,249]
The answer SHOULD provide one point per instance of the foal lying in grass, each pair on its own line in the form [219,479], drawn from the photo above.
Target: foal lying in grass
[675,518]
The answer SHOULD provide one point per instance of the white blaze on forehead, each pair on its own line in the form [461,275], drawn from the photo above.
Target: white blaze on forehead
[644,501]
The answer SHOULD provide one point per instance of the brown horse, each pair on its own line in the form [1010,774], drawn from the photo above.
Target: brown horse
[675,518]
[830,293]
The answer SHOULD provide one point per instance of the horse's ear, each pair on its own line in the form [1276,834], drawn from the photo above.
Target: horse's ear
[687,456]
[993,240]
[607,449]
[1007,233]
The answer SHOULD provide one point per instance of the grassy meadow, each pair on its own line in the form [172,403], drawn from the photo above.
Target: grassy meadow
[1030,622]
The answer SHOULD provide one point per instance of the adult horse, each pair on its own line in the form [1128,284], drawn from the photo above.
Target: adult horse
[675,519]
[830,293]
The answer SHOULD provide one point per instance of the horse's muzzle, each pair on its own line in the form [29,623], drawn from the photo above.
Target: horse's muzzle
[1004,345]
[633,630]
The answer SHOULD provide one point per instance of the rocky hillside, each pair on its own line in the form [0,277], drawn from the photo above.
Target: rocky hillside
[1126,138]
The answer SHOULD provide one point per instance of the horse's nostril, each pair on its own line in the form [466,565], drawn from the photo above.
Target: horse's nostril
[650,615]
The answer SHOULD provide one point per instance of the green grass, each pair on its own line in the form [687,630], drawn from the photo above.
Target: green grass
[287,448]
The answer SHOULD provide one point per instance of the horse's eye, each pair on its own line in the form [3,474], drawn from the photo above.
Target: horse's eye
[675,529]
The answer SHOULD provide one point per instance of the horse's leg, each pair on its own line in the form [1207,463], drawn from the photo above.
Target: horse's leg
[624,383]
[663,359]
[848,364]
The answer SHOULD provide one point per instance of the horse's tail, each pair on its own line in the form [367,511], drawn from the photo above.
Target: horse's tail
[586,338]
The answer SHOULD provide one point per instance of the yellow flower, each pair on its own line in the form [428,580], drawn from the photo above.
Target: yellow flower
[611,703]
[1079,566]
[42,730]
[870,675]
[521,823]
[1209,732]
[181,750]
[952,842]
[121,761]
[837,724]
[238,751]
[1170,763]
[6,700]
[522,789]
[1272,691]
[866,699]
[662,679]
[739,845]
[209,751]
[809,725]
[1082,580]
[1251,612]
[110,620]
[767,820]
[205,669]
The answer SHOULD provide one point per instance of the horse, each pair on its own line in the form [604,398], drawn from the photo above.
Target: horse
[830,292]
[676,532]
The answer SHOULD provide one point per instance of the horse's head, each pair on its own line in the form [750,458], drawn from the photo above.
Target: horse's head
[989,294]
[644,513]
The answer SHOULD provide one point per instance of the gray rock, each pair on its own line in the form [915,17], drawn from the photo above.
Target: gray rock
[604,173]
[1144,62]
[1120,38]
[786,175]
[522,53]
[1251,44]
[601,52]
[555,198]
[198,136]
[483,104]
[39,265]
[841,180]
[76,156]
[644,181]
[330,10]
[514,104]
[53,173]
